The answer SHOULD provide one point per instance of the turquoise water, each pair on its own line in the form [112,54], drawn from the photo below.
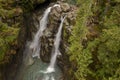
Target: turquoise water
[36,72]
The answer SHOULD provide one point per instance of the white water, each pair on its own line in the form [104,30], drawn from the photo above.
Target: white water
[56,50]
[35,65]
[35,45]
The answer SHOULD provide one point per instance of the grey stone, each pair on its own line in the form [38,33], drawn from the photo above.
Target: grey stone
[65,7]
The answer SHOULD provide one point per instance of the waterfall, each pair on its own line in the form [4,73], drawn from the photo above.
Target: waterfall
[55,52]
[32,49]
[35,45]
[56,46]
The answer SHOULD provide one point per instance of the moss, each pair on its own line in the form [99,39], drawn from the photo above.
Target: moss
[72,1]
[2,49]
[7,37]
[95,41]
[8,30]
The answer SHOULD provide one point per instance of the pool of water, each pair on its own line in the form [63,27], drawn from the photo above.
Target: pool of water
[36,71]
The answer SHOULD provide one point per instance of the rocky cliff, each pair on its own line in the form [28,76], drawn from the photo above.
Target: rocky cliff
[49,34]
[27,15]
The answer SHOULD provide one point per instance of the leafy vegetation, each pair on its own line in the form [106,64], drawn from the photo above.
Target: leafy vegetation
[8,29]
[95,43]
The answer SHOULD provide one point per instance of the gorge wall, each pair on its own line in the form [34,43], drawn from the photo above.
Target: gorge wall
[28,27]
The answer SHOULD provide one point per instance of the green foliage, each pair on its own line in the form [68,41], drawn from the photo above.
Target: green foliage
[5,10]
[7,36]
[2,49]
[97,58]
[109,48]
[78,54]
[72,1]
[7,33]
[6,13]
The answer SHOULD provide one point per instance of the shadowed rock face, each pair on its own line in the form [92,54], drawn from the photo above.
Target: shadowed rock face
[38,1]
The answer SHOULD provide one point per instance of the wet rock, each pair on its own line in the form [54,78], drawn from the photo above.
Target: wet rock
[47,40]
[54,13]
[47,33]
[66,23]
[45,53]
[71,17]
[30,61]
[58,9]
[65,7]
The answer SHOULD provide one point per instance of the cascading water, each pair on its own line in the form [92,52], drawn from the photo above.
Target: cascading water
[51,67]
[35,45]
[56,46]
[32,49]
